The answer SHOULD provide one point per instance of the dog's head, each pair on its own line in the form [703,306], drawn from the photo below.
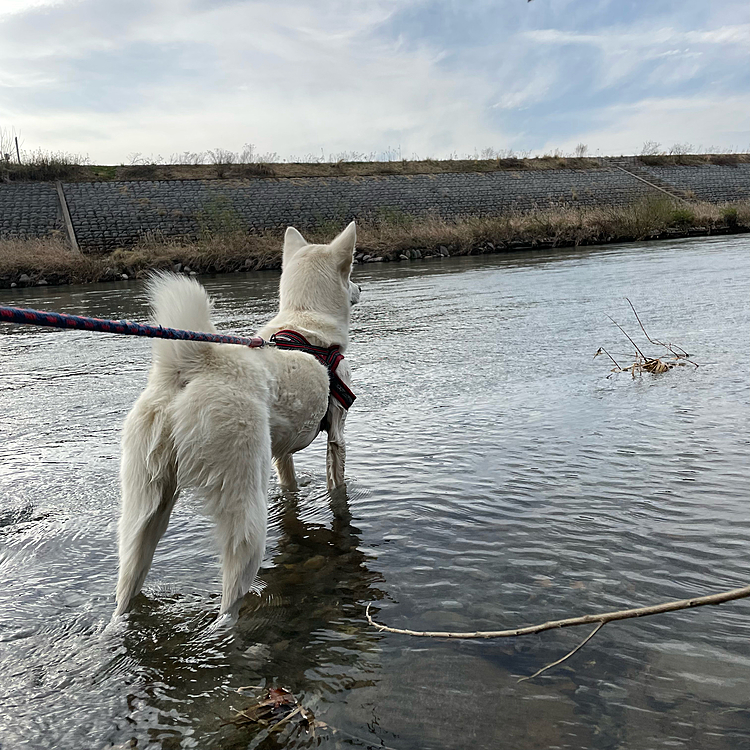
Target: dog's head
[316,278]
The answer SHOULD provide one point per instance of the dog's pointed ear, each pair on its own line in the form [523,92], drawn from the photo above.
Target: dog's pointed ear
[344,246]
[293,241]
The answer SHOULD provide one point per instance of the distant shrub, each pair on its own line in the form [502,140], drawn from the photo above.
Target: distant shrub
[45,166]
[683,216]
[222,156]
[651,148]
[682,149]
[731,216]
[189,158]
[219,217]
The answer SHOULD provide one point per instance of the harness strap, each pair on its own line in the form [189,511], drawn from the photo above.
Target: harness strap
[328,356]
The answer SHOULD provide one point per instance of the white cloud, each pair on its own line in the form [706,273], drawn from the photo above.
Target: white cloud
[294,82]
[706,123]
[651,58]
[627,38]
[166,76]
[11,7]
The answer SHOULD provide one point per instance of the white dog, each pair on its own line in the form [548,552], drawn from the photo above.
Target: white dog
[213,416]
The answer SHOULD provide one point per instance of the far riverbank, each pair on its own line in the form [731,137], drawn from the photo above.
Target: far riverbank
[396,237]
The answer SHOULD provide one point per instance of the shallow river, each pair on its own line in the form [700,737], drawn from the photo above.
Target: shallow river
[497,477]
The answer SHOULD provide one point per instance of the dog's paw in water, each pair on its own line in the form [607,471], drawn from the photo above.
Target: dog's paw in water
[224,621]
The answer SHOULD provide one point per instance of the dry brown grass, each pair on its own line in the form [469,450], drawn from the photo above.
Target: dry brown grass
[668,160]
[558,227]
[49,258]
[86,172]
[389,236]
[221,253]
[370,168]
[52,260]
[41,166]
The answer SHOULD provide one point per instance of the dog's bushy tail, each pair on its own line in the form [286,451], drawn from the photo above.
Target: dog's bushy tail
[181,302]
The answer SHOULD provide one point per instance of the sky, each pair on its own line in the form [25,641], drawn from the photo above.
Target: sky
[121,81]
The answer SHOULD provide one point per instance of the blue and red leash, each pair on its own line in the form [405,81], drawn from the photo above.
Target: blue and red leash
[124,327]
[286,339]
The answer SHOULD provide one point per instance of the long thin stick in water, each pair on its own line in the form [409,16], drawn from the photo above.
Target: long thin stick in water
[604,617]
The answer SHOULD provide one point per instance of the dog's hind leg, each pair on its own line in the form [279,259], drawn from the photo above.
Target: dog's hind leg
[149,492]
[285,471]
[223,444]
[241,518]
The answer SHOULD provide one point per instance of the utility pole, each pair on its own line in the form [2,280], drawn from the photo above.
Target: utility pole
[18,152]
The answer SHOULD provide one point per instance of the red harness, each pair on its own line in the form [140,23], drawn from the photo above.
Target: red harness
[330,357]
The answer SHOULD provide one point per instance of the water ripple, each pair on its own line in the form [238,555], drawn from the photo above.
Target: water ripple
[497,478]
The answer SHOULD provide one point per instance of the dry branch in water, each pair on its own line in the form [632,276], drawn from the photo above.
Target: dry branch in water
[277,710]
[600,620]
[274,711]
[643,362]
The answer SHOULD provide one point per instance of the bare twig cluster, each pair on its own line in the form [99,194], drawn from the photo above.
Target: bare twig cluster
[276,709]
[676,355]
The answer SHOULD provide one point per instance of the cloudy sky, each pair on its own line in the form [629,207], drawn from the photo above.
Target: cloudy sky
[425,78]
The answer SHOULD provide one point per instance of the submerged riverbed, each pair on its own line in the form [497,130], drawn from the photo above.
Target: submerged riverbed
[497,478]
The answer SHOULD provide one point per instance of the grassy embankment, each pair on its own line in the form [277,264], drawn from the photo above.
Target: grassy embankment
[45,167]
[389,237]
[42,166]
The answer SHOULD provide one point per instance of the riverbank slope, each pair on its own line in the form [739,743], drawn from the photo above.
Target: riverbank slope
[389,238]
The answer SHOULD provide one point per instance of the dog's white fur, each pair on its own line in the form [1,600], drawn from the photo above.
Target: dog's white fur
[214,416]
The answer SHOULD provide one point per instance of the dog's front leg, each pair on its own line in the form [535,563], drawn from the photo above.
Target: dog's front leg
[336,419]
[285,471]
[336,451]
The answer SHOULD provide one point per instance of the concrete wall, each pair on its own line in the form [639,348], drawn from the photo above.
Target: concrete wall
[106,215]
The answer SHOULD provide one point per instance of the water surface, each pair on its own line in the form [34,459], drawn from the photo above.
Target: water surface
[496,478]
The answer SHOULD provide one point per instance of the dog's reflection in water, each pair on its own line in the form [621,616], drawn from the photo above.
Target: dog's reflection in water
[311,612]
[306,631]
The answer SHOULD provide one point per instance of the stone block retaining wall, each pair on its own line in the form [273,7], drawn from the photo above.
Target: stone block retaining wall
[106,215]
[709,182]
[113,214]
[29,209]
